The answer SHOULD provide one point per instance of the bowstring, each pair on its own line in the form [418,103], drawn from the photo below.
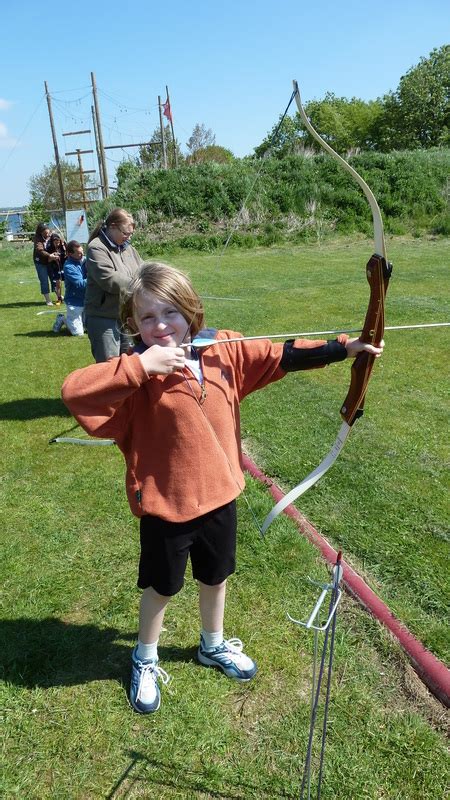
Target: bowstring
[240,213]
[233,230]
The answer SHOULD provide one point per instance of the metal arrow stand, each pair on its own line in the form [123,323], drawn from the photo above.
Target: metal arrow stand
[334,593]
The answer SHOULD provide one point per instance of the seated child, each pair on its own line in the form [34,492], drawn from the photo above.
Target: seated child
[75,277]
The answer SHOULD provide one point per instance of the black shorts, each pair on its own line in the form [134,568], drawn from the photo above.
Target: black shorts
[210,541]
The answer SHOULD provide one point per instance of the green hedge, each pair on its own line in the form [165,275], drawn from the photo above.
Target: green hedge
[202,201]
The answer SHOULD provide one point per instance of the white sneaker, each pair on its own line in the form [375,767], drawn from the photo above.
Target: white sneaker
[228,657]
[145,695]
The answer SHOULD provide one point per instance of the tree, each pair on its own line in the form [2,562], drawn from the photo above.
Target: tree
[151,155]
[35,213]
[345,124]
[200,139]
[44,186]
[417,114]
[283,140]
[212,152]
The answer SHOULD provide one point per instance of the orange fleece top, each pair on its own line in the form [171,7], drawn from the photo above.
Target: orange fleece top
[183,457]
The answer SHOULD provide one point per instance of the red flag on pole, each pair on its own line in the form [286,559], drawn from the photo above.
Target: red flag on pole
[167,110]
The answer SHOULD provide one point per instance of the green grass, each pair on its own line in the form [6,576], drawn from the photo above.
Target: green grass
[70,547]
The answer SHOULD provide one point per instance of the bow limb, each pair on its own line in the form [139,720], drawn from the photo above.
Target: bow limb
[378,272]
[310,479]
[378,231]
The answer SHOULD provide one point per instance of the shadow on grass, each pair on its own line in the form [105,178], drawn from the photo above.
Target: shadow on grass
[22,304]
[45,334]
[156,776]
[51,652]
[33,408]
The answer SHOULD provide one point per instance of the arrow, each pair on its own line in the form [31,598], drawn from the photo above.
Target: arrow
[71,440]
[200,342]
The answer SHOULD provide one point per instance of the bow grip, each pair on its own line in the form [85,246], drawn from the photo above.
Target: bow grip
[378,272]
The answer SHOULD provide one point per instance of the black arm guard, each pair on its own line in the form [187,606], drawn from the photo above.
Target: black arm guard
[296,358]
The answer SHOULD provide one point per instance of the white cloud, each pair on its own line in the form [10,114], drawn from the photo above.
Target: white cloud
[6,141]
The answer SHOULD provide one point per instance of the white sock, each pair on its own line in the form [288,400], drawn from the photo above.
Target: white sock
[212,640]
[147,652]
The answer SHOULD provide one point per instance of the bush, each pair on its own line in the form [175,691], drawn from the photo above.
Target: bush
[195,203]
[441,225]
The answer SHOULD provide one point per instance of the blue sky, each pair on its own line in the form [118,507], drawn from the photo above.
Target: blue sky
[228,66]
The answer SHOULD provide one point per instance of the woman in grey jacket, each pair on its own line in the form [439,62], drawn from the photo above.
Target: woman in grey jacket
[111,262]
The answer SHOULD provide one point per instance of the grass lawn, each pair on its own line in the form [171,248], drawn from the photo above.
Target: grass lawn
[70,547]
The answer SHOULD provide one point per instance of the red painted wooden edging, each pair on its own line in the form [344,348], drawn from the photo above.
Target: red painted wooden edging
[432,671]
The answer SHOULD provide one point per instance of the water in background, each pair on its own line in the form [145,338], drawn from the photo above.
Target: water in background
[15,221]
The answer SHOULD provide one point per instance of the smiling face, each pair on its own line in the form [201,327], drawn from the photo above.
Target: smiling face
[158,321]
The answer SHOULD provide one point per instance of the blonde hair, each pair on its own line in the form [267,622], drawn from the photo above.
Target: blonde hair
[169,284]
[118,216]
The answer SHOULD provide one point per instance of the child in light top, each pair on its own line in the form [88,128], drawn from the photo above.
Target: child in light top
[174,413]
